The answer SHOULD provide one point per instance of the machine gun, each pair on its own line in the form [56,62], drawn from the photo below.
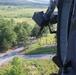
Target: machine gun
[43,19]
[65,18]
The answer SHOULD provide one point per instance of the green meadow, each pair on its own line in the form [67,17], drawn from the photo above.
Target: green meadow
[18,11]
[44,45]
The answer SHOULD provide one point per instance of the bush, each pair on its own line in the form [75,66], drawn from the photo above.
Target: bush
[17,67]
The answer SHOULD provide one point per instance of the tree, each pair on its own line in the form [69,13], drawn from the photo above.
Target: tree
[35,31]
[21,33]
[27,27]
[8,36]
[16,67]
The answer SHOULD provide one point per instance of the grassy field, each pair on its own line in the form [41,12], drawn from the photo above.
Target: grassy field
[18,12]
[30,67]
[41,46]
[28,20]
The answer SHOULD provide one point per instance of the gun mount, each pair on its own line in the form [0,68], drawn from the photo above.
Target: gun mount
[65,18]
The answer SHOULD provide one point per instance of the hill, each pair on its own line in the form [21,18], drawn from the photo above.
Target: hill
[27,3]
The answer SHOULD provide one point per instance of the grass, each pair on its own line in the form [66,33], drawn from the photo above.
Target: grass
[18,12]
[40,50]
[41,66]
[28,20]
[33,67]
[41,47]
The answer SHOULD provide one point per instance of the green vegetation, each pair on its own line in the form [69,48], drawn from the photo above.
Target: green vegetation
[23,31]
[32,23]
[7,34]
[16,26]
[21,12]
[29,67]
[35,31]
[38,49]
[12,34]
[45,45]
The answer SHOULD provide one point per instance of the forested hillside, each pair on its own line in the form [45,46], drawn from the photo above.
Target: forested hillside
[26,3]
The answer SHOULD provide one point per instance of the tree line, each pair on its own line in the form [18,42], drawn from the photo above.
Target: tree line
[12,33]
